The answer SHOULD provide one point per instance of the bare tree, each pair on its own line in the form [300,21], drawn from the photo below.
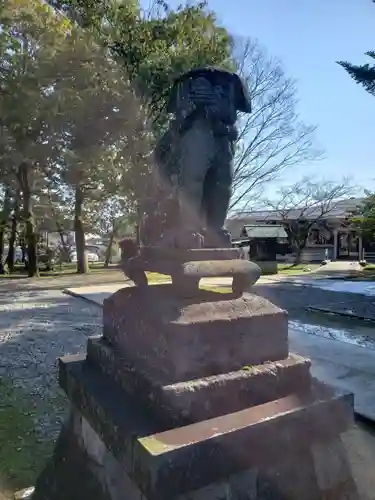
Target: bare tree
[272,138]
[302,205]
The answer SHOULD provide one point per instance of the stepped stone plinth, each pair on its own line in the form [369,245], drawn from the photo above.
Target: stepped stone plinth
[195,396]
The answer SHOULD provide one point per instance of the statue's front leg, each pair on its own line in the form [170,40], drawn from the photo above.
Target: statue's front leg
[218,191]
[195,158]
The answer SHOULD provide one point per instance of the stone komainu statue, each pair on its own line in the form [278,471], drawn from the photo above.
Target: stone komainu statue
[195,155]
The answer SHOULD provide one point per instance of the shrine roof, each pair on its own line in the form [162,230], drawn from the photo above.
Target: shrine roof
[266,231]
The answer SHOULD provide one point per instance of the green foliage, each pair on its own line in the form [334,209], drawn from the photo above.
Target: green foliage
[167,46]
[362,74]
[96,115]
[113,216]
[93,13]
[157,46]
[70,123]
[28,40]
[29,37]
[366,217]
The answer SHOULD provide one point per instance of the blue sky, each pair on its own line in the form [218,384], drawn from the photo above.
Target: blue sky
[309,36]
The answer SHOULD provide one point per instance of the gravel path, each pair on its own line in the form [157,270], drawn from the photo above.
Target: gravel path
[37,327]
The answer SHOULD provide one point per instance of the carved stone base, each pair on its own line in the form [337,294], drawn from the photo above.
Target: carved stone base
[175,338]
[110,449]
[196,398]
[199,399]
[319,472]
[188,266]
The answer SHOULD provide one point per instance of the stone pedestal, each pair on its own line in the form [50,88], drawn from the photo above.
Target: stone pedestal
[187,266]
[196,398]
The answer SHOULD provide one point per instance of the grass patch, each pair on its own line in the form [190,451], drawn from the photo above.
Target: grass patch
[157,277]
[369,271]
[22,453]
[160,278]
[217,289]
[71,270]
[296,268]
[366,274]
[65,270]
[282,269]
[98,268]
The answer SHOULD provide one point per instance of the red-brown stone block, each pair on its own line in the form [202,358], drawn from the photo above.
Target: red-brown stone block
[175,339]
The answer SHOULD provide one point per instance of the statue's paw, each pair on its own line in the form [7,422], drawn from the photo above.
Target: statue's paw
[189,240]
[134,272]
[217,239]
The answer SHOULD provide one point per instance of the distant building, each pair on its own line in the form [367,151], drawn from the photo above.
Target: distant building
[333,232]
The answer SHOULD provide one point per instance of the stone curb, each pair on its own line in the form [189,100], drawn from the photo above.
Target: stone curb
[336,312]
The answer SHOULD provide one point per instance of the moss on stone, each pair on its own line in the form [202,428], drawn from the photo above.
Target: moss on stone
[154,446]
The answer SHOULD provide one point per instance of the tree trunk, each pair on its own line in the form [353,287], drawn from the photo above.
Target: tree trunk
[13,234]
[32,257]
[82,264]
[298,256]
[300,245]
[109,249]
[65,248]
[3,224]
[31,237]
[2,231]
[60,230]
[24,253]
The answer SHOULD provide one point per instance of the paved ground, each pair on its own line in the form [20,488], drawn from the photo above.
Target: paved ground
[296,295]
[360,445]
[347,366]
[339,266]
[343,365]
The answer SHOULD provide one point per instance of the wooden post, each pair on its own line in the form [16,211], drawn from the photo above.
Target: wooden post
[335,244]
[361,253]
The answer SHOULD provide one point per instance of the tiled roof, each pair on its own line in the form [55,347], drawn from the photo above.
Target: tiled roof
[340,209]
[265,231]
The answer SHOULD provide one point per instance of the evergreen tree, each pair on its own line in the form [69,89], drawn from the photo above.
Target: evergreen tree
[365,217]
[363,74]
